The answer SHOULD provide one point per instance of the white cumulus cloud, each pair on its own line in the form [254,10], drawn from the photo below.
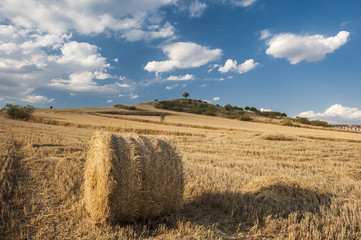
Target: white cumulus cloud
[233,66]
[85,16]
[181,78]
[265,34]
[184,55]
[216,98]
[336,114]
[171,87]
[37,50]
[123,85]
[310,48]
[167,31]
[38,99]
[133,96]
[196,9]
[83,82]
[102,75]
[243,3]
[26,65]
[81,54]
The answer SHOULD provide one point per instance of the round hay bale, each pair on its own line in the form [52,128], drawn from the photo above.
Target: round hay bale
[130,177]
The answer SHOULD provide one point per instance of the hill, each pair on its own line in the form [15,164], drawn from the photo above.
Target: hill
[205,108]
[234,112]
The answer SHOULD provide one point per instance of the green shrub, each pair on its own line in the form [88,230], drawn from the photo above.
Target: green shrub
[231,115]
[245,118]
[302,120]
[178,109]
[255,110]
[210,111]
[320,123]
[162,118]
[287,122]
[165,105]
[19,112]
[199,109]
[238,108]
[229,107]
[273,114]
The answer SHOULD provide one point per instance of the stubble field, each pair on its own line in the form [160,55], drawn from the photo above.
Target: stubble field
[244,180]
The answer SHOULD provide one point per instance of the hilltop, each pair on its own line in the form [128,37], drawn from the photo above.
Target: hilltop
[232,112]
[205,108]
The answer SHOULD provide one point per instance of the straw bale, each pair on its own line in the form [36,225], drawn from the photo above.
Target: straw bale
[130,177]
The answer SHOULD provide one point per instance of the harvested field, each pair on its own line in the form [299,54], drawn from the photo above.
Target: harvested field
[238,183]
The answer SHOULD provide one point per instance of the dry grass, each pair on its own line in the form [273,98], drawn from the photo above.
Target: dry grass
[132,177]
[237,186]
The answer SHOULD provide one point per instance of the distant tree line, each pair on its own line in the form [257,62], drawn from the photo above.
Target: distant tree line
[125,107]
[312,122]
[270,114]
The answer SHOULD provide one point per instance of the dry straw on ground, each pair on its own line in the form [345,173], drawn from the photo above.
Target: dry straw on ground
[130,177]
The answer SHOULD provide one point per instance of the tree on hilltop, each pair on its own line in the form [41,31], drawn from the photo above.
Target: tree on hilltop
[185,95]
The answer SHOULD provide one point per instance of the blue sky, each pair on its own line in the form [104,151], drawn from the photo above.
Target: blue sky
[298,57]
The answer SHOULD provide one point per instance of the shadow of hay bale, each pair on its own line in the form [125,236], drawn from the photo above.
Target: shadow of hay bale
[281,196]
[146,228]
[266,197]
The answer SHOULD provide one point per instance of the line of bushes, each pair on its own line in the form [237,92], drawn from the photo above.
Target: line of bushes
[125,107]
[312,122]
[270,114]
[292,122]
